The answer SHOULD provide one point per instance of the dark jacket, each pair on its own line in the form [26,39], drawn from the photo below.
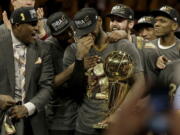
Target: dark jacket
[38,82]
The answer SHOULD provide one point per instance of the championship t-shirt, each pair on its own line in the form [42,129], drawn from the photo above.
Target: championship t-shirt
[92,110]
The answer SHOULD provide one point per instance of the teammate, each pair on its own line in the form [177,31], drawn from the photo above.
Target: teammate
[92,47]
[122,19]
[145,28]
[62,109]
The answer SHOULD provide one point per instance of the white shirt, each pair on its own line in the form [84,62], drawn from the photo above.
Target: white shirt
[30,106]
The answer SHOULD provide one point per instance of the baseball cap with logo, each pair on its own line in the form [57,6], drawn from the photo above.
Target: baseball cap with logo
[58,23]
[168,12]
[24,15]
[123,11]
[145,21]
[84,22]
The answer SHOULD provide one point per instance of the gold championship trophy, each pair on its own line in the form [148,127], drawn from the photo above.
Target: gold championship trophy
[118,69]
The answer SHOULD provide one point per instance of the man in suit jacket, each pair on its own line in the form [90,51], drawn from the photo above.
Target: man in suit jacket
[15,4]
[37,75]
[43,30]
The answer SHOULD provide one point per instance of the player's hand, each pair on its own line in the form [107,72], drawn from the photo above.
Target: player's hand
[84,44]
[18,112]
[161,62]
[41,23]
[91,61]
[6,101]
[116,35]
[6,20]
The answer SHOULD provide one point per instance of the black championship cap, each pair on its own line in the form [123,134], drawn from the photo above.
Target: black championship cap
[123,11]
[145,21]
[58,23]
[168,12]
[24,15]
[84,22]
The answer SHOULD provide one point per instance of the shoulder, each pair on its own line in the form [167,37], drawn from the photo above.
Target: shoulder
[72,47]
[3,27]
[6,36]
[51,39]
[43,46]
[123,42]
[3,30]
[151,44]
[126,46]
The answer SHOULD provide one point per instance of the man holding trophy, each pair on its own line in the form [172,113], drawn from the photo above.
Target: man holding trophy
[106,66]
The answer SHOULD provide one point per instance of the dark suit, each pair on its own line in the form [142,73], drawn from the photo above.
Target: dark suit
[38,82]
[3,30]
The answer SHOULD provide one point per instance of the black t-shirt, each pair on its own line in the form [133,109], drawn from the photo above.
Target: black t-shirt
[62,108]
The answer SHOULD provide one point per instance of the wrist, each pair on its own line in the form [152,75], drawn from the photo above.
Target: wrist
[79,57]
[31,108]
[26,111]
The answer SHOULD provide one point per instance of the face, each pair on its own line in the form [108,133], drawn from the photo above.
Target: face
[147,33]
[163,26]
[118,23]
[22,3]
[65,38]
[95,34]
[26,33]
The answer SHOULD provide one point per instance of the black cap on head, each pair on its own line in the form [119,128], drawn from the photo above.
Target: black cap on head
[145,21]
[123,11]
[24,15]
[84,21]
[58,23]
[168,12]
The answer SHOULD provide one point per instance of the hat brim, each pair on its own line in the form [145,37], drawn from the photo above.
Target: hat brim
[142,25]
[84,31]
[62,30]
[161,13]
[118,15]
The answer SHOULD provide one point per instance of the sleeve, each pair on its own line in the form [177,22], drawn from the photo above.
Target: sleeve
[77,81]
[69,56]
[45,81]
[30,107]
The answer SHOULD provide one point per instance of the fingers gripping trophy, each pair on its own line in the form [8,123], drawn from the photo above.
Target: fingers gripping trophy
[118,68]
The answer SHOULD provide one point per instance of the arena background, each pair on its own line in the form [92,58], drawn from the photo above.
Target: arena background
[141,7]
